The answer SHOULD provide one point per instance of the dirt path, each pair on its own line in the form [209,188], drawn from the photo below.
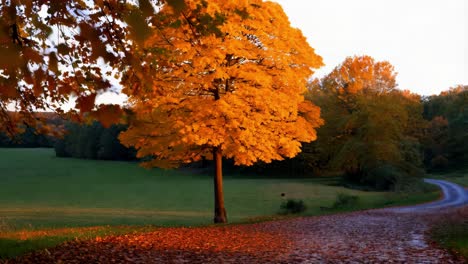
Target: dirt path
[375,236]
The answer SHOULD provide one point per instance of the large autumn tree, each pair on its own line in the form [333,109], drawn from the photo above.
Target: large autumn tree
[224,79]
[371,128]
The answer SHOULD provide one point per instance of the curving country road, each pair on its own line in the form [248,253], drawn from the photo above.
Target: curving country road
[391,235]
[454,195]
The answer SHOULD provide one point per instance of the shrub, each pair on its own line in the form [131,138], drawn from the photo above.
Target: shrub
[393,177]
[344,200]
[439,163]
[381,177]
[292,206]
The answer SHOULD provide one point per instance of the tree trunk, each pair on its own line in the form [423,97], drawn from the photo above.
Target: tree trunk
[220,211]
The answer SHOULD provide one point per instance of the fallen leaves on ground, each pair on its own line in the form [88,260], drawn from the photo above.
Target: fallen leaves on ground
[241,244]
[360,237]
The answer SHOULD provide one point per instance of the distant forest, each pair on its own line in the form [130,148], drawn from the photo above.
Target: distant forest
[446,139]
[386,140]
[92,141]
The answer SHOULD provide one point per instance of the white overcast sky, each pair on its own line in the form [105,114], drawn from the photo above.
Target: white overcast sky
[426,40]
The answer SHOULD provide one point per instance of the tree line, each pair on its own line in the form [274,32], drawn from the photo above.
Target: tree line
[372,129]
[77,140]
[32,136]
[381,136]
[377,135]
[93,141]
[445,143]
[28,139]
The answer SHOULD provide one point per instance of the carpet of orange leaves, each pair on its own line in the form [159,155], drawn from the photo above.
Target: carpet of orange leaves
[375,236]
[240,244]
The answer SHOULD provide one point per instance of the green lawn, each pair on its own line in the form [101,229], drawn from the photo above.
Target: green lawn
[39,191]
[452,231]
[458,176]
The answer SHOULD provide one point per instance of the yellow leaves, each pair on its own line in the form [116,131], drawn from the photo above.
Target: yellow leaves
[311,113]
[250,72]
[238,86]
[362,75]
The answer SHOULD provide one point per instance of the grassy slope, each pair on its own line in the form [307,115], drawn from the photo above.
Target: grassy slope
[459,176]
[452,231]
[41,191]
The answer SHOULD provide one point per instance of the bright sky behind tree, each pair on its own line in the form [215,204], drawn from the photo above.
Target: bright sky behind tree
[426,40]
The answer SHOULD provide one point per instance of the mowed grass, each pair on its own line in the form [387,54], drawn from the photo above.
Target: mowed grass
[459,176]
[42,192]
[452,231]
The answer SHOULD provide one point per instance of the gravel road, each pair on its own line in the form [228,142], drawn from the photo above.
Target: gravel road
[454,195]
[390,235]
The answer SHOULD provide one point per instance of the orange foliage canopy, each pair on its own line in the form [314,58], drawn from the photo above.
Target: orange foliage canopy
[362,74]
[227,74]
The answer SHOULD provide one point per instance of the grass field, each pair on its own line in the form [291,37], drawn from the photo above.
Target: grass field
[452,231]
[41,192]
[458,176]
